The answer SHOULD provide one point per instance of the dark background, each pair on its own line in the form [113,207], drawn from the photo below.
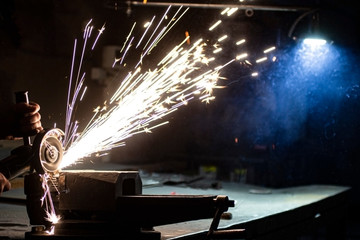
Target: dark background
[296,123]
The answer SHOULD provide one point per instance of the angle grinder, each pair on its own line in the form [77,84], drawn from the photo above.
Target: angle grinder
[43,155]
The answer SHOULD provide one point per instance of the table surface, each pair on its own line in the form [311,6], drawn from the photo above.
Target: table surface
[252,203]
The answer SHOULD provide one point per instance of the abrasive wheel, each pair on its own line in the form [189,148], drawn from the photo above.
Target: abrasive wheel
[48,150]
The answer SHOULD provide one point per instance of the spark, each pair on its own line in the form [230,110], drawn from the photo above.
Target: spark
[68,110]
[51,231]
[225,11]
[86,29]
[101,30]
[128,36]
[217,50]
[116,60]
[145,98]
[215,25]
[240,42]
[261,59]
[46,201]
[82,95]
[222,38]
[71,126]
[157,27]
[232,11]
[150,47]
[126,50]
[172,23]
[147,25]
[224,65]
[241,56]
[187,35]
[269,49]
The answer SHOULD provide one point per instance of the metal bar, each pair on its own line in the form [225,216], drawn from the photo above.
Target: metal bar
[218,5]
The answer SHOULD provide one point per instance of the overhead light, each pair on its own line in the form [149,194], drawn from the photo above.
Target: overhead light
[314,41]
[314,36]
[310,32]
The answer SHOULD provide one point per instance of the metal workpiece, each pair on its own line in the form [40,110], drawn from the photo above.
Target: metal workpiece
[89,190]
[111,204]
[116,195]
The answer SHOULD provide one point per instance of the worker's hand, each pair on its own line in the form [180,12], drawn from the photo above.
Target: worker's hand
[4,184]
[22,119]
[28,119]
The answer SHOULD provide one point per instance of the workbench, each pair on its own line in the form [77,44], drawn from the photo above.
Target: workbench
[264,213]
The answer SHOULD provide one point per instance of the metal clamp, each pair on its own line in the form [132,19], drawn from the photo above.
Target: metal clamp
[223,203]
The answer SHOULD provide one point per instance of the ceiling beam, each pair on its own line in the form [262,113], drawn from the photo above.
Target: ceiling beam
[221,5]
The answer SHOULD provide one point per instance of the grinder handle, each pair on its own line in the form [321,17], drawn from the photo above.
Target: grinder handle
[17,163]
[23,96]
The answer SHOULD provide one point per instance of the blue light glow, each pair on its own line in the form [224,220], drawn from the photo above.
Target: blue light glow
[315,58]
[301,95]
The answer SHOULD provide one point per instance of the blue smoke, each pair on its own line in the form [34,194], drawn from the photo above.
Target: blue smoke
[309,86]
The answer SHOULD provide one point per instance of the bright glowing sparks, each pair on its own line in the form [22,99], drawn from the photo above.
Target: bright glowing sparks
[261,60]
[46,200]
[269,50]
[232,11]
[147,24]
[215,25]
[224,11]
[241,56]
[101,30]
[145,98]
[217,50]
[240,42]
[222,38]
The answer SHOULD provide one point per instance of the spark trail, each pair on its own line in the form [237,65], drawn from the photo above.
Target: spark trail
[144,98]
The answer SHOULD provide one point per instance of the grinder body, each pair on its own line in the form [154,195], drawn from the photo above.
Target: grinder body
[19,160]
[43,155]
[18,163]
